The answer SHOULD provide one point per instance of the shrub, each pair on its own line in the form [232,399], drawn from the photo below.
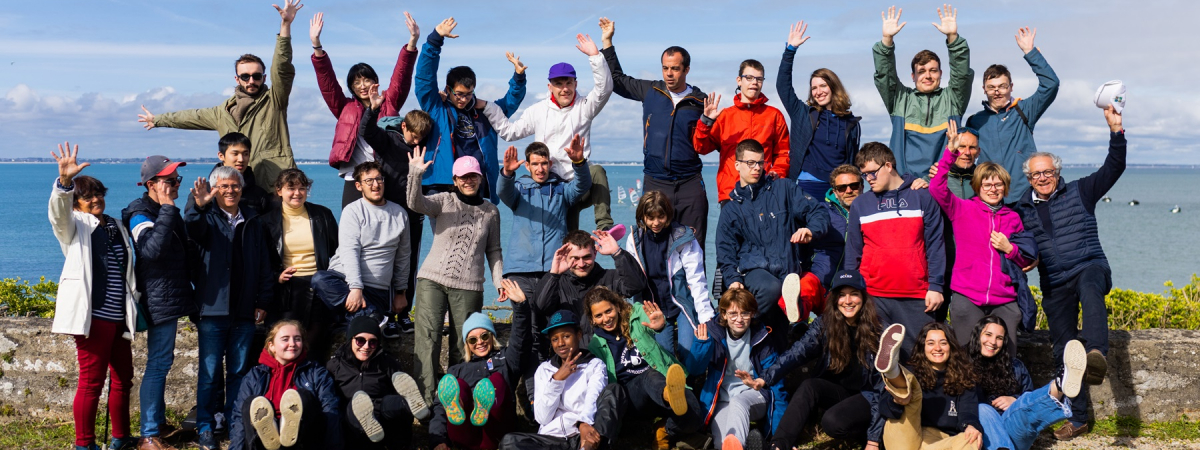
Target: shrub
[19,298]
[1132,310]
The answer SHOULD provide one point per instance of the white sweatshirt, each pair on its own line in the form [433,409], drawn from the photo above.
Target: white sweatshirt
[555,126]
[559,405]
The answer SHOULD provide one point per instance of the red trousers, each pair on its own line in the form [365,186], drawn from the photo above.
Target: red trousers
[102,351]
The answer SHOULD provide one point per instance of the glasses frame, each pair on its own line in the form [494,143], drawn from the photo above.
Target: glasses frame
[485,336]
[365,342]
[256,76]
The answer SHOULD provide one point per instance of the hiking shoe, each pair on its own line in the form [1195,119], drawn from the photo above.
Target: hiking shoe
[290,412]
[364,412]
[731,443]
[153,443]
[390,329]
[126,443]
[1097,367]
[1075,364]
[662,439]
[206,441]
[791,295]
[754,440]
[484,396]
[447,393]
[262,416]
[676,389]
[407,388]
[1070,431]
[406,324]
[889,350]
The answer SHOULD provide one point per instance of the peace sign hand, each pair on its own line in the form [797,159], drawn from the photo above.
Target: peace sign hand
[68,166]
[416,160]
[568,367]
[658,321]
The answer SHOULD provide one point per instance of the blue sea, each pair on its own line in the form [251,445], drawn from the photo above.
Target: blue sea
[1146,244]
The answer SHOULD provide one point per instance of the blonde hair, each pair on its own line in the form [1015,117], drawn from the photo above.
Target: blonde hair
[275,330]
[467,353]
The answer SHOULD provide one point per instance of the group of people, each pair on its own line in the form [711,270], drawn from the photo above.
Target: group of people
[850,257]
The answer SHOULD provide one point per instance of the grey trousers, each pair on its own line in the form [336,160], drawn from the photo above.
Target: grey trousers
[733,416]
[432,302]
[964,315]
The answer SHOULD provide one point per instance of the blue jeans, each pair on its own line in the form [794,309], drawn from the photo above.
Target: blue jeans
[331,287]
[160,355]
[222,339]
[1020,424]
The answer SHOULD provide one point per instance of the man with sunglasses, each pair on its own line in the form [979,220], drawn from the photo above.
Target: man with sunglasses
[894,239]
[828,251]
[1074,271]
[255,110]
[762,216]
[459,128]
[163,279]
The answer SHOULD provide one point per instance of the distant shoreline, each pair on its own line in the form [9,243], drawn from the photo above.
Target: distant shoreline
[604,163]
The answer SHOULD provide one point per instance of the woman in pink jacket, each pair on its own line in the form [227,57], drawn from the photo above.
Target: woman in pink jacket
[349,149]
[982,229]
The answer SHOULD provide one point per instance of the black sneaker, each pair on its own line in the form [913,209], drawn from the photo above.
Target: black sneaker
[206,441]
[390,329]
[406,324]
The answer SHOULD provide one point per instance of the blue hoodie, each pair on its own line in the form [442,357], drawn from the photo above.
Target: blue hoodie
[539,217]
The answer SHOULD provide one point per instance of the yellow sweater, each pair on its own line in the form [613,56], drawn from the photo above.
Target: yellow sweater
[298,249]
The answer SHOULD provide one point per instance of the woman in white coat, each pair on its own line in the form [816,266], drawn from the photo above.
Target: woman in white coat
[96,298]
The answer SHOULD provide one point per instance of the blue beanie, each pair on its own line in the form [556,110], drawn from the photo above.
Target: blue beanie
[477,320]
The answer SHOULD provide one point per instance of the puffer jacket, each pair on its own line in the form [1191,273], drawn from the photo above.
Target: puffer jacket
[754,120]
[667,128]
[642,338]
[895,240]
[165,259]
[349,111]
[227,252]
[311,378]
[978,267]
[685,265]
[76,231]
[539,212]
[804,120]
[919,120]
[712,355]
[756,228]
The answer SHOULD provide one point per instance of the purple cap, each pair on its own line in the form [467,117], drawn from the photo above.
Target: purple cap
[561,70]
[466,165]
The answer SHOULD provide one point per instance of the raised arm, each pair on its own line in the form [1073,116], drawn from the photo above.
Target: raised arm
[601,76]
[427,66]
[939,185]
[188,119]
[327,81]
[509,130]
[796,107]
[961,74]
[707,136]
[1094,186]
[623,85]
[62,197]
[1047,90]
[417,201]
[516,87]
[402,74]
[282,70]
[887,82]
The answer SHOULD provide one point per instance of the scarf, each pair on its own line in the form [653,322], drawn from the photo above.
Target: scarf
[474,200]
[282,376]
[242,103]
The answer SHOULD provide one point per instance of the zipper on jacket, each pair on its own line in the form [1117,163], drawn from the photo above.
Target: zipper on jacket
[987,293]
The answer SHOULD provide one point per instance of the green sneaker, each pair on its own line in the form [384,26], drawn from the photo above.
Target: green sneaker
[447,393]
[484,395]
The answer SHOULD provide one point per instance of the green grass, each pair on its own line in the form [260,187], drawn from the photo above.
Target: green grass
[1185,429]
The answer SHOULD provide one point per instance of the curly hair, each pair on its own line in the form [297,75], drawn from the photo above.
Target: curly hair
[603,294]
[996,376]
[837,331]
[959,374]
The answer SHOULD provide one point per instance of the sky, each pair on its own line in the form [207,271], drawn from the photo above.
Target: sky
[79,71]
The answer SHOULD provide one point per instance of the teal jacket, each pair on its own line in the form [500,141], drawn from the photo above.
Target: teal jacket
[1006,136]
[643,340]
[919,120]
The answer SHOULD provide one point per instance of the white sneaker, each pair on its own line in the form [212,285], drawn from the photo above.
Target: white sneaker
[290,412]
[407,388]
[364,412]
[262,416]
[1074,367]
[791,297]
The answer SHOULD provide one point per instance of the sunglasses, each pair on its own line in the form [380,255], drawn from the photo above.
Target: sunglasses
[365,342]
[484,336]
[173,181]
[257,76]
[847,187]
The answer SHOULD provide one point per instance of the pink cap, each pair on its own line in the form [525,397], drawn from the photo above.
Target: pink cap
[466,165]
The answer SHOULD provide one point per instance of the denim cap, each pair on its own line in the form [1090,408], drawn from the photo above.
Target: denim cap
[848,278]
[561,318]
[561,70]
[475,321]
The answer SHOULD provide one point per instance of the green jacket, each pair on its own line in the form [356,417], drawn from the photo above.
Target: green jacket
[919,120]
[265,123]
[643,340]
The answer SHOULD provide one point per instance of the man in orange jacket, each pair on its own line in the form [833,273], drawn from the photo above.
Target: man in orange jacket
[749,118]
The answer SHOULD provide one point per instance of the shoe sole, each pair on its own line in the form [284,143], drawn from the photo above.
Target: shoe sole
[484,396]
[754,440]
[1074,367]
[889,347]
[407,388]
[290,412]
[364,412]
[447,393]
[791,297]
[677,389]
[1097,368]
[731,443]
[262,416]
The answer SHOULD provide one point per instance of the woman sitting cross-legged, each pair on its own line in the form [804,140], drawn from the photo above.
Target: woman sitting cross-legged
[845,387]
[934,402]
[484,385]
[624,337]
[379,399]
[1013,412]
[738,342]
[287,386]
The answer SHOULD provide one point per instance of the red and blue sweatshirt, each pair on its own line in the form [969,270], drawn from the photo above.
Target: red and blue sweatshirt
[895,240]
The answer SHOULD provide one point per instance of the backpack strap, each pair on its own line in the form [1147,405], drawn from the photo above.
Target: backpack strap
[1017,107]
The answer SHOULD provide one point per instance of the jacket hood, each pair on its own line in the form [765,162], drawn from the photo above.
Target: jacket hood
[526,181]
[833,201]
[758,101]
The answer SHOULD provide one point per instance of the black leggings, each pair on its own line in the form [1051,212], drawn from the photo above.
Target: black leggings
[847,414]
[392,411]
[645,397]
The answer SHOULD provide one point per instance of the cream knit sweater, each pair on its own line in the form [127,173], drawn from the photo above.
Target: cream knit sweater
[462,236]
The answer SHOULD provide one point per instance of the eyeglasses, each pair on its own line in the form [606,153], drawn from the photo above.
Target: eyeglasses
[371,181]
[752,164]
[991,187]
[366,342]
[752,78]
[1042,174]
[871,175]
[484,336]
[463,95]
[257,76]
[173,181]
[1002,87]
[744,315]
[847,187]
[228,187]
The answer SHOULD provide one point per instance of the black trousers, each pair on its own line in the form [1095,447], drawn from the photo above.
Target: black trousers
[847,414]
[312,424]
[393,413]
[690,201]
[539,347]
[610,407]
[1062,305]
[645,397]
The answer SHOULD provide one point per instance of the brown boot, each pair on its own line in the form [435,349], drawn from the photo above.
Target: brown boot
[1097,367]
[1069,431]
[153,443]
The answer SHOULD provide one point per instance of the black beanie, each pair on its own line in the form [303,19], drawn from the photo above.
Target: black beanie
[363,324]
